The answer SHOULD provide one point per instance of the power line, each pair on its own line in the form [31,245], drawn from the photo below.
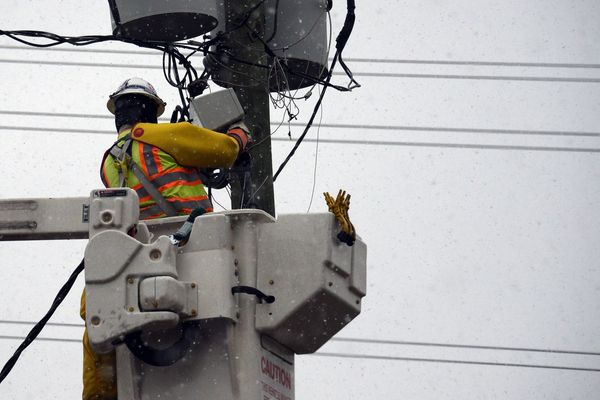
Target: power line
[350,126]
[456,130]
[64,130]
[454,145]
[350,142]
[476,77]
[465,346]
[385,358]
[448,361]
[357,74]
[63,324]
[381,341]
[475,63]
[42,339]
[80,50]
[81,64]
[347,59]
[59,114]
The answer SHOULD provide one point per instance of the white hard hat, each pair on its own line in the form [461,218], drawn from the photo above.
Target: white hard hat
[136,86]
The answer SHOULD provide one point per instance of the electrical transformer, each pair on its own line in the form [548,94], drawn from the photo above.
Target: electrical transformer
[162,20]
[296,31]
[296,34]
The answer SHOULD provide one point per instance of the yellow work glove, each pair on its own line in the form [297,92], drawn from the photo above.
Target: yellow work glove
[339,207]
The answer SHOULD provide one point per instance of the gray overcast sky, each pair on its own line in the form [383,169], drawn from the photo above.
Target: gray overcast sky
[476,246]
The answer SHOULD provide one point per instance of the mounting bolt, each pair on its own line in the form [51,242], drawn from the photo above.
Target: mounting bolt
[155,254]
[194,313]
[106,217]
[271,281]
[95,320]
[130,281]
[193,285]
[130,309]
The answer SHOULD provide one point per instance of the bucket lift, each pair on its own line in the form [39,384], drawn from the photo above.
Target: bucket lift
[220,317]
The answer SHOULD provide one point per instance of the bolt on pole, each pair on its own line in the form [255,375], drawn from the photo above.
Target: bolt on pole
[245,24]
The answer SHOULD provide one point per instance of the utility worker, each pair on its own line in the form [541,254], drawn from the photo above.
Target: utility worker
[160,162]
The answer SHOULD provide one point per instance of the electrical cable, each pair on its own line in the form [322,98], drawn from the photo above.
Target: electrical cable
[81,64]
[359,142]
[341,41]
[345,126]
[280,101]
[312,193]
[275,19]
[313,79]
[467,346]
[170,51]
[62,324]
[219,204]
[312,117]
[353,59]
[366,340]
[454,145]
[449,361]
[251,197]
[42,339]
[476,63]
[479,77]
[35,331]
[382,358]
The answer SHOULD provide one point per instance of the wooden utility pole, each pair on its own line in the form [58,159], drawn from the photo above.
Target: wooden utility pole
[245,24]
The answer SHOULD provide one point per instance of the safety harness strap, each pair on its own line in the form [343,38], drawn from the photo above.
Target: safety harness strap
[121,156]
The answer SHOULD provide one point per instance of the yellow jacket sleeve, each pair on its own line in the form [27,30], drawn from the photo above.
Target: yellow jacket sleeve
[189,145]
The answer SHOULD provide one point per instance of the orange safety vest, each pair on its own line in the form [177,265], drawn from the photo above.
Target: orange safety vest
[181,186]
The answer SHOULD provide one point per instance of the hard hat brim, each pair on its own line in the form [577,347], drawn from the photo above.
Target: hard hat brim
[160,104]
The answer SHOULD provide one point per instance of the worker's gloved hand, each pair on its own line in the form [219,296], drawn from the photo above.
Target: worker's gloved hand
[240,132]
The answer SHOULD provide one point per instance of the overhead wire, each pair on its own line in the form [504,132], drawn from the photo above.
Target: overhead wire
[170,52]
[479,77]
[61,324]
[346,126]
[314,183]
[466,346]
[455,145]
[384,358]
[352,59]
[42,339]
[354,142]
[380,341]
[357,74]
[308,125]
[452,361]
[37,328]
[385,342]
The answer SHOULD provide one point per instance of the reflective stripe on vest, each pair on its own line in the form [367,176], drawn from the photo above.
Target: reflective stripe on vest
[181,187]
